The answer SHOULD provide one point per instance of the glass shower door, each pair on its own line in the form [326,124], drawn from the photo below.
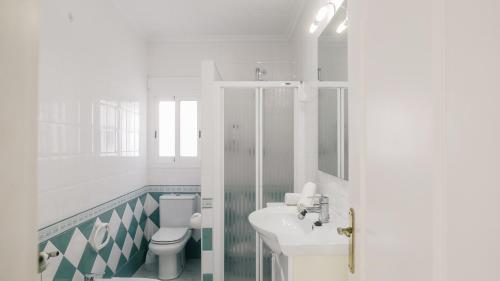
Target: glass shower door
[277,158]
[239,184]
[258,168]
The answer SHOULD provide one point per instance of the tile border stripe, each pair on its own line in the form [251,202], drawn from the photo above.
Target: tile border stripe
[47,232]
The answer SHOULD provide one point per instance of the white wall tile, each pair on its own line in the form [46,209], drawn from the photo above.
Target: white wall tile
[127,246]
[76,247]
[127,216]
[78,276]
[114,224]
[138,237]
[207,261]
[114,257]
[95,57]
[150,205]
[53,265]
[99,265]
[138,210]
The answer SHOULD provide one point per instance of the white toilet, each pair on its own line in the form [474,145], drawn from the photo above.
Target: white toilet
[169,241]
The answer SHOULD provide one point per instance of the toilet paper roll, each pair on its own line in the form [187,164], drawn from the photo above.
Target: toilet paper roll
[195,224]
[195,221]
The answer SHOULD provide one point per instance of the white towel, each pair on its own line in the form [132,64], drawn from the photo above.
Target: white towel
[291,199]
[308,191]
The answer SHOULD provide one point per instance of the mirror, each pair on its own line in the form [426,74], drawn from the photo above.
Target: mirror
[332,48]
[333,148]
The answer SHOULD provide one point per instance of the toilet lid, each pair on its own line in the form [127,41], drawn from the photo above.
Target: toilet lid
[169,234]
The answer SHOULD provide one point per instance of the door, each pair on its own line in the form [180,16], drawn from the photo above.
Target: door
[18,119]
[395,167]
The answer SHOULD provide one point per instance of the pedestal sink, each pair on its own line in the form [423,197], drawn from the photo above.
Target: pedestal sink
[283,232]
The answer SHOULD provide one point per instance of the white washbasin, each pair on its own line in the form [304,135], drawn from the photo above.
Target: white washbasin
[283,232]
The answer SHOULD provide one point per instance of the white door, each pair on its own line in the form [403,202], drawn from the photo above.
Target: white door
[18,143]
[425,137]
[395,159]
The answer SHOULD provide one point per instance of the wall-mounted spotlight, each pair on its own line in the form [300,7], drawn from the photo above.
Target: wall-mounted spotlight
[314,26]
[331,7]
[342,26]
[323,11]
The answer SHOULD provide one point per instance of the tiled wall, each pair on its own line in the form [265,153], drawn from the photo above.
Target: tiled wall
[92,107]
[133,219]
[207,239]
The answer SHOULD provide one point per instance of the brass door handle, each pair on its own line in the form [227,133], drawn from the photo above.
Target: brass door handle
[349,233]
[346,231]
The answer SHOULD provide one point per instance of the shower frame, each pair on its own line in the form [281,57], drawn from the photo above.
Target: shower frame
[259,87]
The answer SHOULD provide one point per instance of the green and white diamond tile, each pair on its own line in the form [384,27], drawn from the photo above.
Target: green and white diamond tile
[132,223]
[150,205]
[78,258]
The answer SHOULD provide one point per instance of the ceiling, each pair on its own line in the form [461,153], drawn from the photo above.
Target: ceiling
[177,20]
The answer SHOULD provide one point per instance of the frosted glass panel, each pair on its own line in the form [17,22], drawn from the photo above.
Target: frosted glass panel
[166,128]
[239,184]
[240,172]
[189,128]
[277,163]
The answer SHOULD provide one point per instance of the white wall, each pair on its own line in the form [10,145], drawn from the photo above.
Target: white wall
[305,54]
[87,54]
[234,60]
[472,137]
[18,80]
[332,59]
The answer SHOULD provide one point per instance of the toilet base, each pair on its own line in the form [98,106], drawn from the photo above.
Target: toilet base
[171,266]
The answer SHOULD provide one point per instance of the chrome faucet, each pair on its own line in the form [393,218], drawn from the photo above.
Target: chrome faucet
[321,207]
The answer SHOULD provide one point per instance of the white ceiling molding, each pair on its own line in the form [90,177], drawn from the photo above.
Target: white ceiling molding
[212,21]
[293,24]
[216,39]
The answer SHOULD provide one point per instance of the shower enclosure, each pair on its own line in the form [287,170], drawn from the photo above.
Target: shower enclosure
[258,168]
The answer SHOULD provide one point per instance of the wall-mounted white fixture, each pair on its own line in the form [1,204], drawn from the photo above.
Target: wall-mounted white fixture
[314,26]
[342,26]
[323,11]
[97,236]
[331,7]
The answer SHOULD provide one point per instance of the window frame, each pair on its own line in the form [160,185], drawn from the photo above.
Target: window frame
[177,161]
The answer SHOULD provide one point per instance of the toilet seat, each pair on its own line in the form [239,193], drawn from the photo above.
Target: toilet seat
[169,235]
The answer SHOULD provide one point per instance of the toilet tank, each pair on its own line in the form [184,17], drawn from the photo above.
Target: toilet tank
[176,210]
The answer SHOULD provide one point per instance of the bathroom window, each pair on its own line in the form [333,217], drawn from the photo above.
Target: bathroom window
[166,130]
[177,134]
[188,123]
